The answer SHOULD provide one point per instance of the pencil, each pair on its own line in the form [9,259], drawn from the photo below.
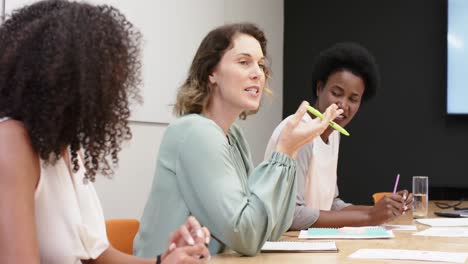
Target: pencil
[396,183]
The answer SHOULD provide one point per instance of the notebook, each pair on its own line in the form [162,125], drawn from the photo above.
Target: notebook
[347,233]
[299,246]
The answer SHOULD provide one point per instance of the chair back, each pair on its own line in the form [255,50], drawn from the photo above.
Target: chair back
[121,233]
[379,195]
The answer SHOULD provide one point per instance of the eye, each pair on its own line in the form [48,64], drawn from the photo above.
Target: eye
[262,66]
[244,62]
[354,100]
[335,93]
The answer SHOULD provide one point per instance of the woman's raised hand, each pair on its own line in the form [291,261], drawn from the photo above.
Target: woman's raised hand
[295,134]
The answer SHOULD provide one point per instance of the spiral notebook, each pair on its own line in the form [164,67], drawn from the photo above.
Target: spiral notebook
[299,246]
[365,232]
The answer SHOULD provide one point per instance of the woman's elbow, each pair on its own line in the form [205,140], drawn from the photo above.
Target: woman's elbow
[246,245]
[249,251]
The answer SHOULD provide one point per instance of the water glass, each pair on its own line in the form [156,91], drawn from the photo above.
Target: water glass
[421,196]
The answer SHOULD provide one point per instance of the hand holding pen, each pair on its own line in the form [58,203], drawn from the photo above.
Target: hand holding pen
[407,197]
[386,209]
[391,206]
[296,133]
[407,200]
[331,123]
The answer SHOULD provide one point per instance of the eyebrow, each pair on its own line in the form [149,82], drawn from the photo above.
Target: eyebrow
[342,89]
[248,55]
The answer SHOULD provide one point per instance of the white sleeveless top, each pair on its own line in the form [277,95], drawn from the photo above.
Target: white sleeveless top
[69,219]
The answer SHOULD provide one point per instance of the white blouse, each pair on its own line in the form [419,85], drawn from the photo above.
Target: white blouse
[69,219]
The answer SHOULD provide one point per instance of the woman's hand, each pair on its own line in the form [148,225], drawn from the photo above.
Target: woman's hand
[186,255]
[188,244]
[388,208]
[408,200]
[296,133]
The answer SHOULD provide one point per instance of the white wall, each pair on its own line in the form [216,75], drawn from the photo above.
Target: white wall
[125,195]
[269,15]
[170,39]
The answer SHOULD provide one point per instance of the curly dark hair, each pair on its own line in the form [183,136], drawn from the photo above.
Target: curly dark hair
[347,56]
[68,71]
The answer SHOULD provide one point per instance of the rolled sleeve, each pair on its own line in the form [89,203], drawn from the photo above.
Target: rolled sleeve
[304,217]
[338,204]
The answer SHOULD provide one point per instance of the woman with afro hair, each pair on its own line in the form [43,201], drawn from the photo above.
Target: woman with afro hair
[344,74]
[68,72]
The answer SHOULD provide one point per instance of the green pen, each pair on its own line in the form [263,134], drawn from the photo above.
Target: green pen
[317,113]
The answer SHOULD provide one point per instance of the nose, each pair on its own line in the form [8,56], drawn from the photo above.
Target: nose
[342,104]
[256,72]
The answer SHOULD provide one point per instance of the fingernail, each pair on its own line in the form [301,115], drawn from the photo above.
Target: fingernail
[406,207]
[404,197]
[199,233]
[207,240]
[172,247]
[191,241]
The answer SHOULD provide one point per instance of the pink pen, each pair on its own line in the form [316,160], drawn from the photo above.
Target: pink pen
[396,183]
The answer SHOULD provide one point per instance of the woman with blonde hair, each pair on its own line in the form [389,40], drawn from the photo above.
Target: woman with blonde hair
[204,166]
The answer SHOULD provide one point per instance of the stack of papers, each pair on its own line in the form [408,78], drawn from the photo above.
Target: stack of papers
[444,232]
[400,254]
[443,221]
[299,246]
[400,227]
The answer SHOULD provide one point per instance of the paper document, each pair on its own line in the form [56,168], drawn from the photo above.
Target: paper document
[399,254]
[365,232]
[444,232]
[400,227]
[299,246]
[443,221]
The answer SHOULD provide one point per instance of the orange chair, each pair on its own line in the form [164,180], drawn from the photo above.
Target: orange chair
[121,233]
[379,195]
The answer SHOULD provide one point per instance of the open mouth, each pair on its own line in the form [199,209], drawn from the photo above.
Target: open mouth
[252,90]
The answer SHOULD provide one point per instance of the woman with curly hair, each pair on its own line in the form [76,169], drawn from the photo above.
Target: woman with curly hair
[204,166]
[68,72]
[345,74]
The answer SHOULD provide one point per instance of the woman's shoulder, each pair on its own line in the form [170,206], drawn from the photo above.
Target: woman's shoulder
[195,127]
[14,136]
[193,122]
[13,131]
[16,149]
[190,120]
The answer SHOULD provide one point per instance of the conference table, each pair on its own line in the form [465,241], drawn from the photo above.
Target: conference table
[402,240]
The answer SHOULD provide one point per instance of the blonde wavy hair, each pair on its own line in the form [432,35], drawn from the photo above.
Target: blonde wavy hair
[195,92]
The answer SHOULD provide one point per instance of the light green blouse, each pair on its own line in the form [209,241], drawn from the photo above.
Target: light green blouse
[203,173]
